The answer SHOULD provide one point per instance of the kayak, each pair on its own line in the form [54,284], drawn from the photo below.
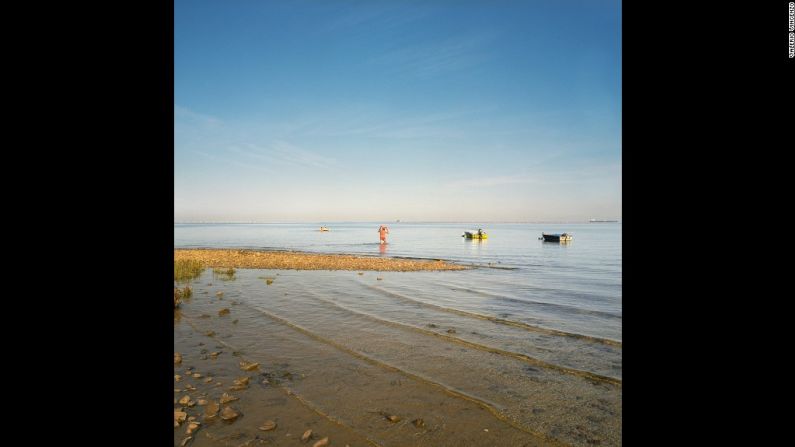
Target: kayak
[475,235]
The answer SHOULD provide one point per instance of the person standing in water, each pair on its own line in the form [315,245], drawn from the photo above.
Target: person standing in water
[383,231]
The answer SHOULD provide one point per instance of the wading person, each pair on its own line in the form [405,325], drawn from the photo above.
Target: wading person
[382,232]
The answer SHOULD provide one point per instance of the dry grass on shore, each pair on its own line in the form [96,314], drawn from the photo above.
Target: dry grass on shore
[228,259]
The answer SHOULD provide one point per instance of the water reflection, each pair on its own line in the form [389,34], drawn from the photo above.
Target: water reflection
[382,249]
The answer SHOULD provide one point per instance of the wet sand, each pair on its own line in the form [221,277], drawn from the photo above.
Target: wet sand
[306,261]
[346,356]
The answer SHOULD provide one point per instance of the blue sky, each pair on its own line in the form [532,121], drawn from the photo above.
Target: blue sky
[383,110]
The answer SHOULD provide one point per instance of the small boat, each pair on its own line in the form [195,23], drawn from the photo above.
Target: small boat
[324,229]
[562,237]
[475,235]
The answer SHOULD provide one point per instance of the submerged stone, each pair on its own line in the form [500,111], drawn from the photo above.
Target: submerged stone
[246,366]
[192,427]
[268,425]
[307,434]
[211,410]
[229,414]
[225,398]
[321,443]
[224,311]
[177,358]
[179,417]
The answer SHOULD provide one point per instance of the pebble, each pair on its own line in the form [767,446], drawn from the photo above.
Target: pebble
[211,410]
[393,418]
[202,401]
[321,443]
[242,381]
[179,417]
[419,423]
[219,294]
[185,399]
[224,311]
[227,398]
[268,426]
[197,376]
[177,377]
[192,427]
[307,434]
[186,441]
[177,358]
[245,366]
[229,414]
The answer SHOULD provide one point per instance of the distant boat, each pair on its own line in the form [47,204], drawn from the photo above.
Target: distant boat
[601,221]
[324,229]
[475,235]
[562,237]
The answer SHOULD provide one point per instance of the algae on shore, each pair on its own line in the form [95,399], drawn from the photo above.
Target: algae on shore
[230,259]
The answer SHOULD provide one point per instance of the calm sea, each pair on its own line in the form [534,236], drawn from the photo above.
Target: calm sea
[573,287]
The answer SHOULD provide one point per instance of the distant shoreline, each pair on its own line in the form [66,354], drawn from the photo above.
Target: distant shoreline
[291,260]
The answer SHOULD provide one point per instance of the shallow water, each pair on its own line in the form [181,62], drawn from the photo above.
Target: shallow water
[573,287]
[341,350]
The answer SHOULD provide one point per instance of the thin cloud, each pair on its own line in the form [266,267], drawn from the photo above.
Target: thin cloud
[190,115]
[432,59]
[234,162]
[286,154]
[383,16]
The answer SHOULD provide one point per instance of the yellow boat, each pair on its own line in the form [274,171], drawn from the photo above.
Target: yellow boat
[475,235]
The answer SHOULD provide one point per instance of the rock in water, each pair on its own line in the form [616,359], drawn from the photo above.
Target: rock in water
[211,410]
[321,443]
[419,423]
[192,427]
[307,434]
[243,381]
[226,398]
[177,358]
[268,426]
[184,400]
[179,417]
[245,366]
[229,414]
[224,311]
[186,441]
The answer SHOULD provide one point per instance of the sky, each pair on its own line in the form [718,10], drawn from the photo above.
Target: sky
[298,111]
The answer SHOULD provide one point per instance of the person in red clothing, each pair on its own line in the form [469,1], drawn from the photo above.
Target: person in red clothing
[383,231]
